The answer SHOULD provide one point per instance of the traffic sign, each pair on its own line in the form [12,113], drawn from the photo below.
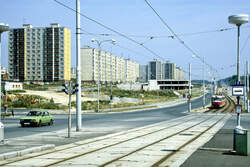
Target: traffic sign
[238,91]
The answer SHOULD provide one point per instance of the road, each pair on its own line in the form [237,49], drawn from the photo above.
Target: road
[108,122]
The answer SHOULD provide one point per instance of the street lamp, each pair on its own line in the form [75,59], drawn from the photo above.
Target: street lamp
[99,43]
[3,28]
[238,20]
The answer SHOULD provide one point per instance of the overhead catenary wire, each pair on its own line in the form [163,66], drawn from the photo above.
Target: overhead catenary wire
[153,36]
[177,37]
[112,30]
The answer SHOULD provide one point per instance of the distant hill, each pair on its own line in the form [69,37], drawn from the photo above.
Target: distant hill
[200,82]
[230,80]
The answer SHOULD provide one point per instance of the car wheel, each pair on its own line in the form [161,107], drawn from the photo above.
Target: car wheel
[22,124]
[51,122]
[39,124]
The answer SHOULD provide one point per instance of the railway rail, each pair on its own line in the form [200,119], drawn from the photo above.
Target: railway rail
[155,145]
[124,148]
[227,108]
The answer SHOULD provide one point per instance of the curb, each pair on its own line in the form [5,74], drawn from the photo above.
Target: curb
[9,155]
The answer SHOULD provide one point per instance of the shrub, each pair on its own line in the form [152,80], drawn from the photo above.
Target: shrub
[15,91]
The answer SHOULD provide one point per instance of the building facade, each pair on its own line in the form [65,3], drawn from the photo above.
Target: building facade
[111,68]
[143,73]
[169,70]
[39,53]
[156,70]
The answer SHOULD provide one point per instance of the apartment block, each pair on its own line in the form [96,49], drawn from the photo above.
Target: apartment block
[169,70]
[143,73]
[110,69]
[39,53]
[156,70]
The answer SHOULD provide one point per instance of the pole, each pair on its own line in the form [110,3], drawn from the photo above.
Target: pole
[247,86]
[203,71]
[238,73]
[111,80]
[69,116]
[99,76]
[78,69]
[238,54]
[189,90]
[238,128]
[0,76]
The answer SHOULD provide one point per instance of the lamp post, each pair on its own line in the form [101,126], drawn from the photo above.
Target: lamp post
[3,28]
[238,20]
[99,43]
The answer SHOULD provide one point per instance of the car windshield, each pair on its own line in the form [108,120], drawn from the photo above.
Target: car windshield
[34,113]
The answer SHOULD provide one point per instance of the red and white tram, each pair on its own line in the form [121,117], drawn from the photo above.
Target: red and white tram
[218,101]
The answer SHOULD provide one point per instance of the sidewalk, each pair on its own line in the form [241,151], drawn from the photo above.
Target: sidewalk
[217,152]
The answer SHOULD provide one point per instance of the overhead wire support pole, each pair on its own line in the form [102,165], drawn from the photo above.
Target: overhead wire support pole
[247,85]
[78,69]
[189,90]
[176,36]
[99,76]
[69,115]
[203,76]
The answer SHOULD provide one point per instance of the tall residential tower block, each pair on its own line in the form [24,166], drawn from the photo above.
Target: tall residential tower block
[40,53]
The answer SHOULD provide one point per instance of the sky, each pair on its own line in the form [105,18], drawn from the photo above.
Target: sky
[135,19]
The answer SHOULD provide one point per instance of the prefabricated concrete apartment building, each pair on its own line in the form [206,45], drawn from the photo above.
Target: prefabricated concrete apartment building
[39,53]
[112,68]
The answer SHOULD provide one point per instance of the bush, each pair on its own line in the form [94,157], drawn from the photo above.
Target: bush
[33,101]
[138,93]
[15,91]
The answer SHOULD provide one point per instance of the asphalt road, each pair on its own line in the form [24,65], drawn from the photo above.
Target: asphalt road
[112,122]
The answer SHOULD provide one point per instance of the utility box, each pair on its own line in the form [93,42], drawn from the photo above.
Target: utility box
[242,143]
[1,132]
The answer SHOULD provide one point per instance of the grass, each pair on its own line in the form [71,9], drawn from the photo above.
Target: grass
[104,104]
[32,101]
[138,93]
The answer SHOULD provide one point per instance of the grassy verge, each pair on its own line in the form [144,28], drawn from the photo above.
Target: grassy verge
[32,101]
[104,104]
[138,108]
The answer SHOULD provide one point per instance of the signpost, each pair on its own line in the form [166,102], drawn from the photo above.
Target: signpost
[238,108]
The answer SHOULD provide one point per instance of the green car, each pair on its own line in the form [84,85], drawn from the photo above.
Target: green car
[37,118]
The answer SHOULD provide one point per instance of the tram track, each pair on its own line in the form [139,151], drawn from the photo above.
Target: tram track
[172,124]
[228,107]
[184,122]
[155,142]
[191,127]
